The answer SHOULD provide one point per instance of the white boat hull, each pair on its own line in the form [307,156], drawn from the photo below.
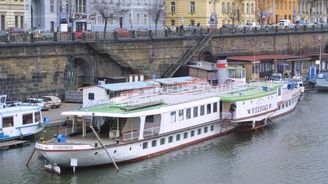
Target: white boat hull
[88,155]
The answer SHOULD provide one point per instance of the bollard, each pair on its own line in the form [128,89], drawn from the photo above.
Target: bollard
[32,37]
[73,36]
[55,37]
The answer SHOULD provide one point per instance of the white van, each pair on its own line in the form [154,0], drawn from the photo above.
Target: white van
[284,22]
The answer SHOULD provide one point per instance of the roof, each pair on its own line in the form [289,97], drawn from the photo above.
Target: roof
[175,80]
[262,57]
[127,85]
[251,93]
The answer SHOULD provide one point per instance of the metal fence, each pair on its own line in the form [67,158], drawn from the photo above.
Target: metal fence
[117,36]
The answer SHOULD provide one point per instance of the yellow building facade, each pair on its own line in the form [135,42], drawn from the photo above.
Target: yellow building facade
[271,11]
[198,12]
[13,13]
[187,12]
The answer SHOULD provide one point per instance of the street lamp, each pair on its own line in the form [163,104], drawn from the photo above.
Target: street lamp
[318,62]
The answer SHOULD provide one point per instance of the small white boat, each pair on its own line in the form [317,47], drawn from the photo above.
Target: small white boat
[19,121]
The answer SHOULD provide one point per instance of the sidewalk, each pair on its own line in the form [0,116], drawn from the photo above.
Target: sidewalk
[55,116]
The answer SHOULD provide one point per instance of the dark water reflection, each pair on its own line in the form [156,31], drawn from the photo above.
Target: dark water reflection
[293,150]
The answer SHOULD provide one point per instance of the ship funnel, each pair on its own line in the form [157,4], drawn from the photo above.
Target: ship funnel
[222,71]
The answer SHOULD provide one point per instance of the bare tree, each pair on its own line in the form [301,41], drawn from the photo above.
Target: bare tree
[156,11]
[234,10]
[263,13]
[108,10]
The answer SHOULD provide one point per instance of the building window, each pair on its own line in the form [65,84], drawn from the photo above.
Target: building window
[7,122]
[215,107]
[202,110]
[27,119]
[153,143]
[52,8]
[192,7]
[185,135]
[247,8]
[91,96]
[138,17]
[21,22]
[173,117]
[172,22]
[252,8]
[162,141]
[188,113]
[177,137]
[60,6]
[16,21]
[223,8]
[181,115]
[170,139]
[2,23]
[145,19]
[80,6]
[172,7]
[144,145]
[195,112]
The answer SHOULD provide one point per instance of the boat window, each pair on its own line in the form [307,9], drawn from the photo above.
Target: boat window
[27,119]
[153,143]
[162,141]
[279,91]
[205,129]
[195,112]
[173,118]
[290,103]
[37,116]
[170,139]
[202,110]
[212,127]
[199,131]
[278,107]
[91,96]
[181,115]
[144,145]
[188,113]
[152,125]
[149,118]
[287,104]
[177,137]
[209,109]
[7,121]
[192,133]
[283,105]
[185,135]
[215,107]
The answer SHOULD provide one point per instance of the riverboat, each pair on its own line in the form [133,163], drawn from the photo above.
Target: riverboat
[18,121]
[164,115]
[254,108]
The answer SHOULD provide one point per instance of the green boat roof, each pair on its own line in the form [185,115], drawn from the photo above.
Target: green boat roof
[250,93]
[117,109]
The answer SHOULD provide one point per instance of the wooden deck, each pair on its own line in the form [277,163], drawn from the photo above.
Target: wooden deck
[13,144]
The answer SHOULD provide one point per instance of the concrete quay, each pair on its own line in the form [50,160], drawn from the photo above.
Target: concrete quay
[54,115]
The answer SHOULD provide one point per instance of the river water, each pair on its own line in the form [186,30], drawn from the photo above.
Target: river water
[292,150]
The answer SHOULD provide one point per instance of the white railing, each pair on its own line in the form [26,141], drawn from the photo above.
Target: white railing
[186,93]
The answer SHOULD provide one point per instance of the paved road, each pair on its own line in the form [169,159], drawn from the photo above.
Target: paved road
[55,116]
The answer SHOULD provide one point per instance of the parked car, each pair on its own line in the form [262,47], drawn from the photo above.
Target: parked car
[121,32]
[15,30]
[37,102]
[53,101]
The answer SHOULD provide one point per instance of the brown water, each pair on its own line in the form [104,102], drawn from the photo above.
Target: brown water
[293,150]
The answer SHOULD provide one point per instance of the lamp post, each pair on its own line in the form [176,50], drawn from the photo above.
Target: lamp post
[318,62]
